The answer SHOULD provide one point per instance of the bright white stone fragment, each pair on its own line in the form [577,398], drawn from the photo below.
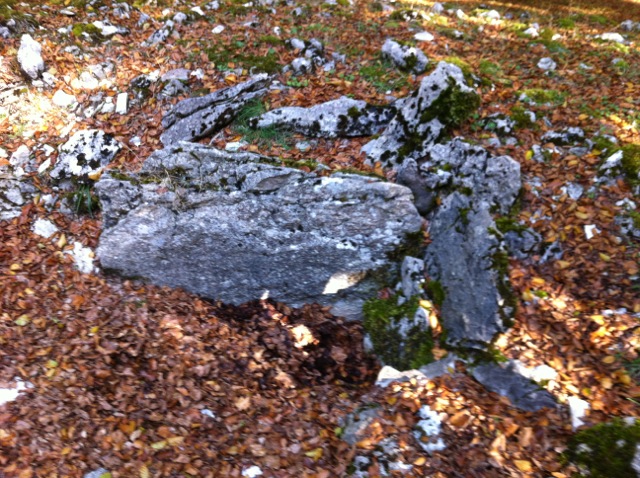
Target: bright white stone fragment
[83,257]
[218,29]
[531,32]
[577,407]
[121,103]
[423,36]
[63,100]
[547,64]
[252,472]
[429,426]
[30,57]
[590,230]
[44,228]
[10,394]
[614,37]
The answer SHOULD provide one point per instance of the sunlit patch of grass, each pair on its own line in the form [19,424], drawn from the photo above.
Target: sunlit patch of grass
[261,136]
[541,96]
[383,76]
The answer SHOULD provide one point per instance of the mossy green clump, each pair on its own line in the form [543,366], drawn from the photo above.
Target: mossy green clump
[224,55]
[467,71]
[403,15]
[23,21]
[541,96]
[567,23]
[630,162]
[605,450]
[453,106]
[271,40]
[604,145]
[87,31]
[521,117]
[261,136]
[383,76]
[436,292]
[397,338]
[83,200]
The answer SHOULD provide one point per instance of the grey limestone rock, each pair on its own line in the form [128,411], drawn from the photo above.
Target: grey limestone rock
[196,118]
[14,194]
[30,57]
[344,117]
[422,118]
[232,227]
[505,381]
[160,35]
[86,153]
[565,136]
[465,251]
[405,58]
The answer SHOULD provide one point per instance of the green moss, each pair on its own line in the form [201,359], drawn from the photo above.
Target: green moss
[403,15]
[631,162]
[344,3]
[261,136]
[467,71]
[453,106]
[87,31]
[271,40]
[83,200]
[383,76]
[508,224]
[605,450]
[383,321]
[635,216]
[500,263]
[300,163]
[540,96]
[23,22]
[567,23]
[436,292]
[520,116]
[604,144]
[354,112]
[224,55]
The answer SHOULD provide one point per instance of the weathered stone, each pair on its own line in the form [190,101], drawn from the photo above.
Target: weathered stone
[85,154]
[465,256]
[14,194]
[344,117]
[406,58]
[565,136]
[522,243]
[442,99]
[356,424]
[196,118]
[30,57]
[522,392]
[160,35]
[228,227]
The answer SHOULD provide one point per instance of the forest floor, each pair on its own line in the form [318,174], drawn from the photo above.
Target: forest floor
[145,381]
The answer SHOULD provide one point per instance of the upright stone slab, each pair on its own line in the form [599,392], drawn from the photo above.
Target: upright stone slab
[229,226]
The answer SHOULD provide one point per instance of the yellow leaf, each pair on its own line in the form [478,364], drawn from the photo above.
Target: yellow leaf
[15,267]
[94,176]
[583,116]
[62,241]
[538,281]
[527,295]
[174,441]
[243,403]
[316,453]
[159,445]
[609,359]
[605,257]
[420,461]
[528,155]
[563,264]
[606,383]
[523,465]
[582,215]
[22,320]
[144,471]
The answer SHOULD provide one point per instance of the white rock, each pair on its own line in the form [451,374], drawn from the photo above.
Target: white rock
[252,472]
[44,166]
[83,257]
[613,37]
[531,32]
[197,10]
[20,157]
[49,79]
[429,426]
[179,17]
[106,28]
[122,103]
[218,29]
[30,57]
[577,408]
[44,228]
[63,100]
[234,146]
[3,153]
[198,74]
[547,64]
[68,12]
[423,36]
[437,8]
[207,413]
[10,394]
[108,106]
[590,230]
[628,25]
[491,15]
[97,473]
[277,31]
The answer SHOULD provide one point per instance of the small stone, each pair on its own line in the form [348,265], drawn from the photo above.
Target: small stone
[20,157]
[121,103]
[612,37]
[218,29]
[590,230]
[578,409]
[181,74]
[83,258]
[63,100]
[491,15]
[303,146]
[180,17]
[97,473]
[531,32]
[252,472]
[44,228]
[234,146]
[424,36]
[30,57]
[547,64]
[437,8]
[10,394]
[197,10]
[405,57]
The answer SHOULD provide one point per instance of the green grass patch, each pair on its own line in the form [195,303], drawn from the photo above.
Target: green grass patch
[631,162]
[383,76]
[260,136]
[223,55]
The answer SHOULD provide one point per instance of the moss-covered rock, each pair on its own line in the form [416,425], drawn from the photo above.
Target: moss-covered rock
[87,31]
[399,334]
[630,162]
[605,450]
